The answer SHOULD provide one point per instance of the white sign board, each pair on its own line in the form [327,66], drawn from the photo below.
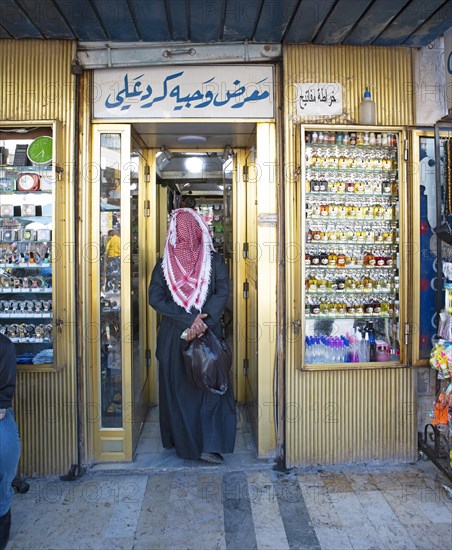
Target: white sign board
[448,60]
[244,91]
[319,98]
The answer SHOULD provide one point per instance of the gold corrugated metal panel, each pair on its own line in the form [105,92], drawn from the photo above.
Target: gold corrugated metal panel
[35,79]
[388,71]
[353,417]
[36,84]
[342,416]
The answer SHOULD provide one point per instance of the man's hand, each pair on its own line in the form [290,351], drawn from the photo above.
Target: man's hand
[197,328]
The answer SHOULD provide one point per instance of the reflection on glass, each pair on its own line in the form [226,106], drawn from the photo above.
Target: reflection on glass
[427,215]
[138,365]
[110,280]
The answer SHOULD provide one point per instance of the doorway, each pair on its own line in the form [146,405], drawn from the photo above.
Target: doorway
[153,177]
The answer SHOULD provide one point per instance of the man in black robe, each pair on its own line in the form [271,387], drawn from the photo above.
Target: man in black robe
[190,289]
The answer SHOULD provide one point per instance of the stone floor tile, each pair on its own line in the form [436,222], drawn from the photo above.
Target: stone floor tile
[268,524]
[336,482]
[395,537]
[364,536]
[431,536]
[376,507]
[320,507]
[333,538]
[361,481]
[348,508]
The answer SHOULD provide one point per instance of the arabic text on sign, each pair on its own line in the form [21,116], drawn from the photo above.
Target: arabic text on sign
[134,91]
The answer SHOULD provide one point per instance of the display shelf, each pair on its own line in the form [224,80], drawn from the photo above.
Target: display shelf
[26,218]
[351,227]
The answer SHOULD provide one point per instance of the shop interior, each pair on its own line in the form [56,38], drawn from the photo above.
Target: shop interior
[195,166]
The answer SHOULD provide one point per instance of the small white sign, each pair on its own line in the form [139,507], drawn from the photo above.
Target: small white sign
[319,98]
[267,218]
[240,91]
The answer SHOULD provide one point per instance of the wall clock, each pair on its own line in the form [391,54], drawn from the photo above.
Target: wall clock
[27,181]
[40,150]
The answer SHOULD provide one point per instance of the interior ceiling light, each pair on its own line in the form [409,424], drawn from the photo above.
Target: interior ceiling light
[192,139]
[17,130]
[194,164]
[168,154]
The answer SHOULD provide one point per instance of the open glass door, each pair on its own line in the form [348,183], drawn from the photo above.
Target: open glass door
[118,277]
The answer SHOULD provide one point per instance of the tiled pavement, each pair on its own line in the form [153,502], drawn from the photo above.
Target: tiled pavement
[243,504]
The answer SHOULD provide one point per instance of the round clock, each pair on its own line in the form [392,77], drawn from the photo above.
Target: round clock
[40,150]
[27,181]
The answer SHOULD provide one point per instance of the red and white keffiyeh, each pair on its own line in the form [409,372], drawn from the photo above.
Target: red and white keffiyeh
[187,260]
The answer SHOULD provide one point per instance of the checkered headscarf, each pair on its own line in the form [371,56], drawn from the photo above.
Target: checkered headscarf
[187,260]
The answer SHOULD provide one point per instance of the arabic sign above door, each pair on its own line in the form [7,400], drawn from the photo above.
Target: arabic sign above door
[240,91]
[319,99]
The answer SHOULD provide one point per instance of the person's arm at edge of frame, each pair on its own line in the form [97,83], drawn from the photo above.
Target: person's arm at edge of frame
[7,374]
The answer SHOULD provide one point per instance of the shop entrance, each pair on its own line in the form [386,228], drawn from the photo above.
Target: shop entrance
[144,171]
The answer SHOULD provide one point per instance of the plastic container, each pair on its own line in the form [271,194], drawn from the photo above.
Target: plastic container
[367,113]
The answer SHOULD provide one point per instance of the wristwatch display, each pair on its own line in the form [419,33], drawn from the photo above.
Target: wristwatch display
[26,297]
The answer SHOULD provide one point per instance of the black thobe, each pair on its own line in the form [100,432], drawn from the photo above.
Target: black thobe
[192,420]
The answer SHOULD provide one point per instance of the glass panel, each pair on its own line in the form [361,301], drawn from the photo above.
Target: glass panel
[352,246]
[138,363]
[26,206]
[110,280]
[427,320]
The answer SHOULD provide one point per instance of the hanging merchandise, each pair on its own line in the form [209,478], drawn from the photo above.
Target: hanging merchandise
[444,230]
[367,114]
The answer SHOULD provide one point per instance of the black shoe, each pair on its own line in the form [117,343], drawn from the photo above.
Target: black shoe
[5,526]
[213,458]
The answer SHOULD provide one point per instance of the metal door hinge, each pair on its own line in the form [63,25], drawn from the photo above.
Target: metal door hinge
[246,366]
[246,290]
[296,325]
[147,173]
[147,208]
[148,358]
[407,333]
[59,172]
[245,173]
[245,249]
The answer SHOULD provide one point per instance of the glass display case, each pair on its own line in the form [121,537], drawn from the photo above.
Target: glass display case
[27,177]
[352,230]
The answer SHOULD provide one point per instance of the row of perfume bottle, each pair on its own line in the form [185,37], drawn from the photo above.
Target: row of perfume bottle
[351,258]
[353,307]
[368,282]
[359,159]
[362,347]
[361,235]
[352,211]
[377,187]
[379,139]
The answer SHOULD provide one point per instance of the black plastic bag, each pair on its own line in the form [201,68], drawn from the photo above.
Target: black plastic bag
[208,361]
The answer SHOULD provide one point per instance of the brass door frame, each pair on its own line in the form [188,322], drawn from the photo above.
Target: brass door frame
[110,444]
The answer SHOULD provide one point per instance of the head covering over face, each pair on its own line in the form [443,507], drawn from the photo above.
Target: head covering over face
[187,260]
